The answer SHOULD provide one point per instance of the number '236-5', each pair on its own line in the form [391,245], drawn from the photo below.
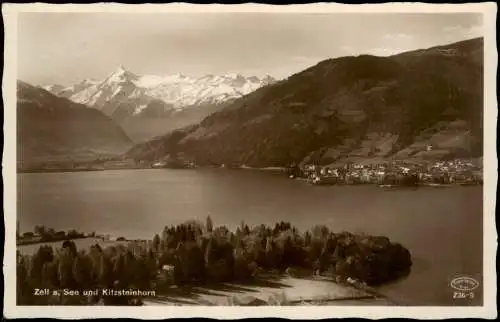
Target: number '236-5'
[463,295]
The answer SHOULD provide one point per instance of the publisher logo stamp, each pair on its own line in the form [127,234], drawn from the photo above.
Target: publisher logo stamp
[464,287]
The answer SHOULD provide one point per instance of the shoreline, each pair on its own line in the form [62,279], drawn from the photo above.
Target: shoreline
[57,170]
[50,241]
[266,169]
[295,291]
[63,170]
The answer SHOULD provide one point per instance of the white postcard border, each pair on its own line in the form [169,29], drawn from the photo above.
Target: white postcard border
[488,310]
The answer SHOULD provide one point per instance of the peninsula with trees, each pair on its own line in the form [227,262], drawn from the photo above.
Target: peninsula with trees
[194,254]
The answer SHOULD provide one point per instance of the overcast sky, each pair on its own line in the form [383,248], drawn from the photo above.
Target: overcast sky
[65,48]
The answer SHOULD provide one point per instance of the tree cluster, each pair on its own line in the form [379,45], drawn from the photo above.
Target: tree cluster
[66,268]
[49,234]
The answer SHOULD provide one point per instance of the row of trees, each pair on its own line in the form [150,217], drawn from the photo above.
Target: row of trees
[202,253]
[50,234]
[116,267]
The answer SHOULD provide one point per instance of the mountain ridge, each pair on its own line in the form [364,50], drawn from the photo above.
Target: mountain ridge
[150,105]
[52,128]
[172,89]
[419,104]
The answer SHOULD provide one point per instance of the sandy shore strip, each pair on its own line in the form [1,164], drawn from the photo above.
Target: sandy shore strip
[282,291]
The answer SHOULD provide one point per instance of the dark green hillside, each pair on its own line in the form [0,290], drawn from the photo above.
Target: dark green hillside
[348,108]
[54,128]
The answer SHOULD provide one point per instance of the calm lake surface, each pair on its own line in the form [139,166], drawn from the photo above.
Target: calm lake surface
[442,227]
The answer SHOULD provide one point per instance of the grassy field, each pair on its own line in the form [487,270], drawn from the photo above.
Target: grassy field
[81,243]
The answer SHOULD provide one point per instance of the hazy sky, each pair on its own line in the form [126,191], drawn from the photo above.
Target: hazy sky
[65,48]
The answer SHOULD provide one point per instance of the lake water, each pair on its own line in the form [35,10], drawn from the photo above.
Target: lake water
[442,228]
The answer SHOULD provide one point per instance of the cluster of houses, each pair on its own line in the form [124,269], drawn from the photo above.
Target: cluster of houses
[392,173]
[173,163]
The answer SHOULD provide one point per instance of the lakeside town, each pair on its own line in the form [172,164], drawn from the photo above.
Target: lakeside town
[394,173]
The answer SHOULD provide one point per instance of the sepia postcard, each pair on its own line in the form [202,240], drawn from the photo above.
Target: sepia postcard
[237,161]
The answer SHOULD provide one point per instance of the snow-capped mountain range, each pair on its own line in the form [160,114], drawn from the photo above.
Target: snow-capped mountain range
[123,93]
